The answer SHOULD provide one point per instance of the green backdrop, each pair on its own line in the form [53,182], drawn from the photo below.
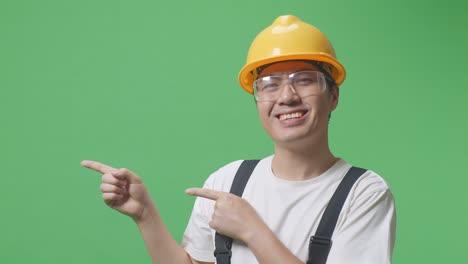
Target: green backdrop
[152,86]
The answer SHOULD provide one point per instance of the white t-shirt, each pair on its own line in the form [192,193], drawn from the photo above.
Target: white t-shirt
[364,233]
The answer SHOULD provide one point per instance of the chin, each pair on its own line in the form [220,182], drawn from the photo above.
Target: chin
[290,138]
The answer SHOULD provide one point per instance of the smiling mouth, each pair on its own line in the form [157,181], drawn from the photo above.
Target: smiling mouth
[288,116]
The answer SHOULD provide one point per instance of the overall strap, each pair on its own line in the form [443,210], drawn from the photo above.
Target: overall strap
[320,243]
[223,243]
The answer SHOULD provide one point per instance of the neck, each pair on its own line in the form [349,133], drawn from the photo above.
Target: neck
[304,162]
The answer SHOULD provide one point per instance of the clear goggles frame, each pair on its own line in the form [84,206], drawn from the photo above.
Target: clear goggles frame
[303,83]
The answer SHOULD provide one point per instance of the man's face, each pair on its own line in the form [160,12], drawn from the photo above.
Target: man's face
[292,119]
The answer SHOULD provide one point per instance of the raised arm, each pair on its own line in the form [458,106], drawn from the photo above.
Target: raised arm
[125,192]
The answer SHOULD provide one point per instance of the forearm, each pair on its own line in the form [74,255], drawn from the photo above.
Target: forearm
[159,242]
[268,249]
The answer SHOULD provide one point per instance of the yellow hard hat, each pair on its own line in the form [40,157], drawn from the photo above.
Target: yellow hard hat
[289,38]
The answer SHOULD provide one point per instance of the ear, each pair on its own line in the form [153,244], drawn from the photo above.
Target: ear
[334,97]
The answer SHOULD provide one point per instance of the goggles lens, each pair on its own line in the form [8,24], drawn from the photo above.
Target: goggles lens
[303,83]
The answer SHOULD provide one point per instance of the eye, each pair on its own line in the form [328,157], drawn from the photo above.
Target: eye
[268,84]
[305,79]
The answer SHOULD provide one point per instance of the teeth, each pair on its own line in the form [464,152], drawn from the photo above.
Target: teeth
[290,116]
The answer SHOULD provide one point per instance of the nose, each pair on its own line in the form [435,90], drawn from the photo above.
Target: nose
[288,95]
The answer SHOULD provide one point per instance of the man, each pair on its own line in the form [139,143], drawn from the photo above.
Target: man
[294,76]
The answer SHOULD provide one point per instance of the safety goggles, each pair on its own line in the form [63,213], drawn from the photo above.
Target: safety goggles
[302,83]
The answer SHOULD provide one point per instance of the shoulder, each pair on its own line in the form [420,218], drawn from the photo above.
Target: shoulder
[369,183]
[222,178]
[369,190]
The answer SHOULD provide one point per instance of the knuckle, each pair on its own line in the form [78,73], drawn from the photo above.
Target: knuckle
[106,197]
[109,197]
[216,215]
[108,178]
[212,224]
[124,170]
[228,200]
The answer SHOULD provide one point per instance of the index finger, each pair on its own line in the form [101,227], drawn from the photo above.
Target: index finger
[97,166]
[205,193]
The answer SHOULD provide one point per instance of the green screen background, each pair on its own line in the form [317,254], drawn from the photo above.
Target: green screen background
[152,86]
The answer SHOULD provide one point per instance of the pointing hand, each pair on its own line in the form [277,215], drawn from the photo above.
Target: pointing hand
[233,216]
[121,189]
